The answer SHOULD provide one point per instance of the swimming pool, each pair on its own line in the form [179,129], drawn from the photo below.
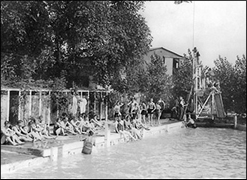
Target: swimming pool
[186,153]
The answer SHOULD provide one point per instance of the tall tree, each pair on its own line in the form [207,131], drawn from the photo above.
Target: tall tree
[224,72]
[183,78]
[75,38]
[159,83]
[240,85]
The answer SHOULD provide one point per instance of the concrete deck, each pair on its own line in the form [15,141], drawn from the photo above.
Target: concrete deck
[241,127]
[29,154]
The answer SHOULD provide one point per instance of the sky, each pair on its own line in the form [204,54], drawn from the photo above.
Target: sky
[213,27]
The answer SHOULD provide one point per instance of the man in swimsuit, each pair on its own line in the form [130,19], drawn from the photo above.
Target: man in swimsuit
[151,109]
[117,113]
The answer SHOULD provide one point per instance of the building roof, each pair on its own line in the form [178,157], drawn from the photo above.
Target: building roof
[153,49]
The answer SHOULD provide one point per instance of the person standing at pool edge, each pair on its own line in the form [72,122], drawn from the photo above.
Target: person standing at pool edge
[151,109]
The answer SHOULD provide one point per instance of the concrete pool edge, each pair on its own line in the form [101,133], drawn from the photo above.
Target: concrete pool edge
[75,147]
[241,127]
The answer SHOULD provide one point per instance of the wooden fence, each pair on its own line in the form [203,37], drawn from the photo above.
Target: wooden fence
[38,103]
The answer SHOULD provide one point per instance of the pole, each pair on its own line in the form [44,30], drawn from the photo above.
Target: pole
[19,107]
[40,103]
[235,121]
[100,115]
[30,104]
[195,83]
[107,130]
[213,108]
[49,108]
[193,24]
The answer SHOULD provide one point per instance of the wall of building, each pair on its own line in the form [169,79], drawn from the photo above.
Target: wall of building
[169,65]
[169,58]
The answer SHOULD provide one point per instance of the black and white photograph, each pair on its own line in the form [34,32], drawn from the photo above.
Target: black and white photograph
[123,89]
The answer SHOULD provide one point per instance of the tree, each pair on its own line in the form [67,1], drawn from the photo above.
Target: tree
[183,78]
[224,72]
[158,83]
[25,37]
[240,85]
[96,38]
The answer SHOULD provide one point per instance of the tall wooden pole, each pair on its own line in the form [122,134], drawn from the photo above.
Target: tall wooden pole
[196,78]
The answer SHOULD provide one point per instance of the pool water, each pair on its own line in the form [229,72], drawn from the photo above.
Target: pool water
[185,153]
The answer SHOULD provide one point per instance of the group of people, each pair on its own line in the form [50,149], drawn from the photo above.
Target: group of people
[132,118]
[182,112]
[77,104]
[143,111]
[36,129]
[33,130]
[179,109]
[69,124]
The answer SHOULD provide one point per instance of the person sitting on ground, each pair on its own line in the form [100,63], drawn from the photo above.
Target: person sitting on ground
[139,125]
[59,128]
[40,129]
[134,131]
[92,125]
[10,136]
[96,122]
[76,124]
[68,126]
[35,132]
[86,126]
[19,133]
[25,129]
[127,124]
[123,133]
[190,123]
[44,128]
[89,142]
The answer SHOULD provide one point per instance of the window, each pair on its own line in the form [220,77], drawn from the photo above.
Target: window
[164,60]
[175,63]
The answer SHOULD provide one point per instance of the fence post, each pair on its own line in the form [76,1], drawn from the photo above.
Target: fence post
[101,109]
[19,107]
[235,121]
[107,129]
[30,104]
[40,103]
[8,99]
